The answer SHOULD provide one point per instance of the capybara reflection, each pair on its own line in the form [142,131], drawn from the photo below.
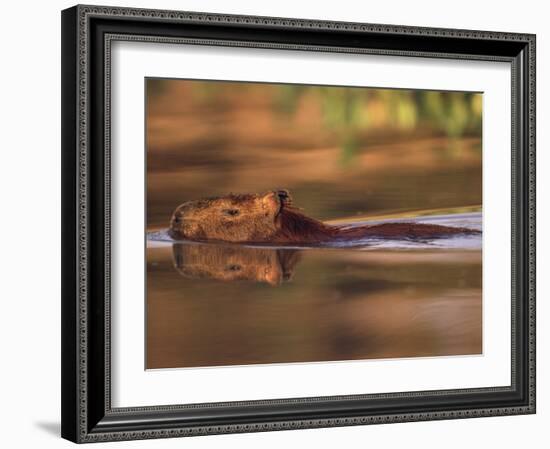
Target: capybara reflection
[272,218]
[234,263]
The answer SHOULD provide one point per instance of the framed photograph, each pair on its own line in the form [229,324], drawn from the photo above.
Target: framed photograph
[274,224]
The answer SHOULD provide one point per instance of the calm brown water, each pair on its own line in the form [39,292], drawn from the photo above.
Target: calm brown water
[211,305]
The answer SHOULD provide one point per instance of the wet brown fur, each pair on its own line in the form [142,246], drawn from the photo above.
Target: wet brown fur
[297,227]
[271,218]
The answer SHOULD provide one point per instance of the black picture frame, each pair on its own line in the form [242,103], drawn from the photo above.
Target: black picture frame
[87,32]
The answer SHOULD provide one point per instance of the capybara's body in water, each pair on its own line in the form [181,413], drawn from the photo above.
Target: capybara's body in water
[271,218]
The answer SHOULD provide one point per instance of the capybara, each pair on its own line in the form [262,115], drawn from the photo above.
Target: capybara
[272,218]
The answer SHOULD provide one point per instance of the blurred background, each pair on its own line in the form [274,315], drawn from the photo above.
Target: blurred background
[341,151]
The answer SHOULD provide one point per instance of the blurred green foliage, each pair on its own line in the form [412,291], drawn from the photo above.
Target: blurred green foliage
[351,112]
[453,113]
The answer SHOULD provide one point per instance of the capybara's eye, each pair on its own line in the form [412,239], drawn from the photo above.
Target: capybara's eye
[231,212]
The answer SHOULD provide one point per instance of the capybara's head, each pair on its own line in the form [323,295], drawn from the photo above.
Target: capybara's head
[231,218]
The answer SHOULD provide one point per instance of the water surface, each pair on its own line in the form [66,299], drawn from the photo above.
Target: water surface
[227,304]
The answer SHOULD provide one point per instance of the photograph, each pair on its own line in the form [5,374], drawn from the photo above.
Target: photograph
[295,223]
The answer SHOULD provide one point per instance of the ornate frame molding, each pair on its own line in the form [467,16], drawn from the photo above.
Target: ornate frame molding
[77,423]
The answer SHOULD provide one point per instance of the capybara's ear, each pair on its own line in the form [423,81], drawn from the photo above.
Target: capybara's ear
[284,196]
